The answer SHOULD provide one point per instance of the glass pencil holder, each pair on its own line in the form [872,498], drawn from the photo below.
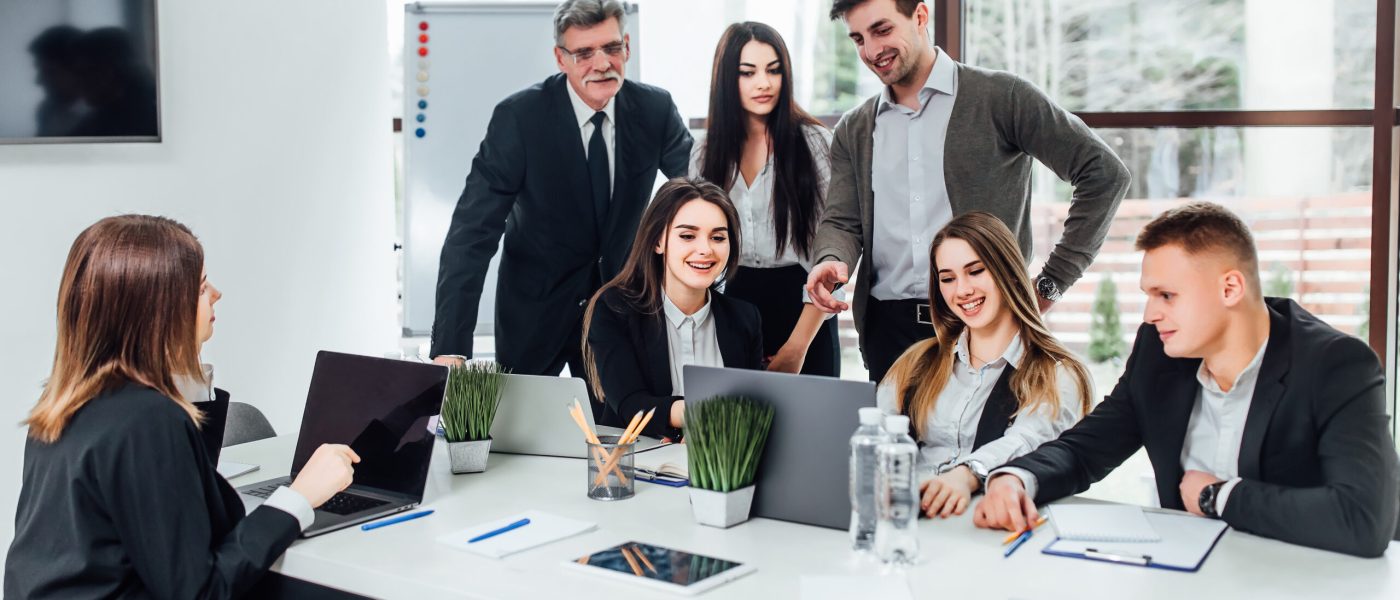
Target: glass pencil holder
[611,469]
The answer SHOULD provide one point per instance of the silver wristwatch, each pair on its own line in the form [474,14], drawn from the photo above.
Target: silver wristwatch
[979,470]
[1048,289]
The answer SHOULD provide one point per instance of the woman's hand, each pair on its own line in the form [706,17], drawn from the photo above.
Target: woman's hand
[789,359]
[327,472]
[950,493]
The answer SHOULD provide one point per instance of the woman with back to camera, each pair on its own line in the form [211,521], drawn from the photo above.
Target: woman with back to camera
[120,494]
[993,383]
[773,158]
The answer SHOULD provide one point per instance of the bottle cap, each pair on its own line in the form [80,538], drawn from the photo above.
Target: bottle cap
[897,423]
[870,416]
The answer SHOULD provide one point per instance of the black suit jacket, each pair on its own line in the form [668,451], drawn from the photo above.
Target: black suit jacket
[633,358]
[530,180]
[1319,467]
[128,504]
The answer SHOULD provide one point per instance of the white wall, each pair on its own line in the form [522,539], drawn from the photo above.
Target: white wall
[276,153]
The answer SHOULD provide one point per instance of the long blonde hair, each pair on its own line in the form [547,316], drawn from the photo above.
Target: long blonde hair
[127,306]
[923,370]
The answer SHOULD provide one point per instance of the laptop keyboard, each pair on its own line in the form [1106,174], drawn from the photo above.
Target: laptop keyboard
[339,504]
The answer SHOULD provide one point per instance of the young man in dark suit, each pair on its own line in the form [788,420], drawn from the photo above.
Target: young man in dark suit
[564,172]
[1251,409]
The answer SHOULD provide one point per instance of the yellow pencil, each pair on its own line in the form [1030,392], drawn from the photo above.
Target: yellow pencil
[1014,535]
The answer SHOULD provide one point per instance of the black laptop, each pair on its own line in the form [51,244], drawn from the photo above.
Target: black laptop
[380,408]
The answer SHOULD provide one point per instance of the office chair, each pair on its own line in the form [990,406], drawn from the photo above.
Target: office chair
[246,424]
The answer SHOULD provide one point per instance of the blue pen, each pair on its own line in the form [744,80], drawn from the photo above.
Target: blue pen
[491,534]
[1017,544]
[386,522]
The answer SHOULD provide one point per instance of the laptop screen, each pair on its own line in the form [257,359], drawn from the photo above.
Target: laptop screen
[380,408]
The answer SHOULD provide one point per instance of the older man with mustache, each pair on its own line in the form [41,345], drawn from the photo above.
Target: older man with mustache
[941,140]
[564,172]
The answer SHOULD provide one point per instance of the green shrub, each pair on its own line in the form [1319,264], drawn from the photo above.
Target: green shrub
[473,394]
[724,438]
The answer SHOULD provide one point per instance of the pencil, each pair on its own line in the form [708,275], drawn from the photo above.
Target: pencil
[1016,534]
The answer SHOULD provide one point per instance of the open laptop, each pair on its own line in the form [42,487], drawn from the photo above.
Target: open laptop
[380,408]
[803,476]
[533,418]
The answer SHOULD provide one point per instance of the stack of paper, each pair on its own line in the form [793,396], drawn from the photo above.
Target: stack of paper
[544,528]
[1101,523]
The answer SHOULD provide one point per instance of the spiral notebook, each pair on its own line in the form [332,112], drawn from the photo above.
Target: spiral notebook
[1102,523]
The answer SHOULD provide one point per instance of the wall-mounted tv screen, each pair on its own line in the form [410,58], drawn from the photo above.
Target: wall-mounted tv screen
[78,71]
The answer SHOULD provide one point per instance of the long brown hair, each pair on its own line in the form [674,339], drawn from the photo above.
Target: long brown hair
[923,370]
[644,274]
[127,306]
[796,202]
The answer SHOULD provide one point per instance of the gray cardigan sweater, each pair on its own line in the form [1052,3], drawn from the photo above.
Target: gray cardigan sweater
[999,123]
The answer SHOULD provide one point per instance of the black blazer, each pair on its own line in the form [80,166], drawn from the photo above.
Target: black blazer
[128,504]
[1318,464]
[530,180]
[633,357]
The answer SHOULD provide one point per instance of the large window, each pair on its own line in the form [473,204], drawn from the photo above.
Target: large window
[1283,110]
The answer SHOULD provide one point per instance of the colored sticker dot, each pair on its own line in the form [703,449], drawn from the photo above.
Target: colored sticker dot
[422,76]
[420,132]
[423,63]
[422,90]
[422,104]
[422,117]
[422,51]
[423,38]
[422,25]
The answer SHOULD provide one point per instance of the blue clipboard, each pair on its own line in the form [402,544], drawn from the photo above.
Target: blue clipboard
[1187,540]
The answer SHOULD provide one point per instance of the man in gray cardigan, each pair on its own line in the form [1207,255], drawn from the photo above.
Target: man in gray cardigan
[943,139]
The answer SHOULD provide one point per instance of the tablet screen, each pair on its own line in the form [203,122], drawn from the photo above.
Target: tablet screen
[658,563]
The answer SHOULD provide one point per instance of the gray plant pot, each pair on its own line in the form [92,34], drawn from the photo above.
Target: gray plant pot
[721,509]
[469,457]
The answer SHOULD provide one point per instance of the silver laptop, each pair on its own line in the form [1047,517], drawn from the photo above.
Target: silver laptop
[380,408]
[534,418]
[803,474]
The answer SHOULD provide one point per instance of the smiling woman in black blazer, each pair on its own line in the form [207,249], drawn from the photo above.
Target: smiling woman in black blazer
[662,311]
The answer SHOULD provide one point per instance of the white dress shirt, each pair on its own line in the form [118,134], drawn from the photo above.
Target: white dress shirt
[911,199]
[754,203]
[691,339]
[1216,428]
[1213,433]
[951,429]
[285,498]
[584,114]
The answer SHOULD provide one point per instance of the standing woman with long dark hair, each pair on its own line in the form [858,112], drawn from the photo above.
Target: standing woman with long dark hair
[773,158]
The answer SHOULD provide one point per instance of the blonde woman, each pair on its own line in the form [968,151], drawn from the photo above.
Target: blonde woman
[992,384]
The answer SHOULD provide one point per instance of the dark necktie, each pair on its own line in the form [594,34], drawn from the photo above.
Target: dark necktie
[598,170]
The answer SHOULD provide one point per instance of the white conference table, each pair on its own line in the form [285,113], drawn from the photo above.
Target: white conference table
[957,560]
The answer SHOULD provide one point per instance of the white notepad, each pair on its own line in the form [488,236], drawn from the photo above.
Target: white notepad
[1101,523]
[1186,542]
[544,528]
[670,459]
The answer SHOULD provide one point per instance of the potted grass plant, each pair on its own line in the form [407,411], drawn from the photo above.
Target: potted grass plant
[473,394]
[724,439]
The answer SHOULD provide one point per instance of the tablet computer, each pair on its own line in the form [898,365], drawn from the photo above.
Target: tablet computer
[661,568]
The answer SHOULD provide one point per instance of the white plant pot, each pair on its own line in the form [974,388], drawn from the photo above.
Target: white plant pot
[721,509]
[469,457]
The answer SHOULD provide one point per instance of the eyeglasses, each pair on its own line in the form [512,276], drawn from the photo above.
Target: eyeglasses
[613,50]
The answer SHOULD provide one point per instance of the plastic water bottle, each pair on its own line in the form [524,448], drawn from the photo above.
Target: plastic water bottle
[897,495]
[864,464]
